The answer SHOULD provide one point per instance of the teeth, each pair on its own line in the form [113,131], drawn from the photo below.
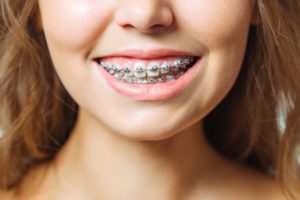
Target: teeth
[139,70]
[127,79]
[191,59]
[118,76]
[177,63]
[111,70]
[184,63]
[154,72]
[128,71]
[116,68]
[141,80]
[153,69]
[170,77]
[104,64]
[164,68]
[151,80]
[160,80]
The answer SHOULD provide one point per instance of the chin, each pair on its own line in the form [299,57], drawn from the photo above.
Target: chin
[144,133]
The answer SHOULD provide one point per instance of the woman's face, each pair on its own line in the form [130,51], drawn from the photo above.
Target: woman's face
[146,40]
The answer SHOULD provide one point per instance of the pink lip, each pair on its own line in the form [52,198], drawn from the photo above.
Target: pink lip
[149,54]
[150,92]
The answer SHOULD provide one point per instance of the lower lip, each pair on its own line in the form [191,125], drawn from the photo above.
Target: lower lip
[152,92]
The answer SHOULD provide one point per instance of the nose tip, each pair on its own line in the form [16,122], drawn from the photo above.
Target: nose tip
[144,16]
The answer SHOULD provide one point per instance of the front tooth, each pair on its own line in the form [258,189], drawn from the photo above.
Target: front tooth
[139,70]
[140,80]
[127,79]
[151,80]
[165,68]
[153,69]
[128,71]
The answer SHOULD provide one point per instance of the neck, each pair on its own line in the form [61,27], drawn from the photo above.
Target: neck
[106,165]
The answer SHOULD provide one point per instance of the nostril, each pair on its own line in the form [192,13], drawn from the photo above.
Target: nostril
[128,26]
[154,29]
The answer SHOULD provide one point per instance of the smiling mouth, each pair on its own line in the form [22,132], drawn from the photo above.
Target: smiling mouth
[141,71]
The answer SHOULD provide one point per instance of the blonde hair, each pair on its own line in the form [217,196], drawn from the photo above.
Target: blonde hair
[38,115]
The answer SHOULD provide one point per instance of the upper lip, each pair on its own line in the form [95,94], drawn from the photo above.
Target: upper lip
[149,54]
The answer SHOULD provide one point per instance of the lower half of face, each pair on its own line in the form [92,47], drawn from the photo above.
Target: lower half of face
[146,69]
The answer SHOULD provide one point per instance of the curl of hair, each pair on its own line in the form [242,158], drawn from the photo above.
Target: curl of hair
[38,114]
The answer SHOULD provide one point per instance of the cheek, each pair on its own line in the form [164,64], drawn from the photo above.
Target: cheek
[216,22]
[74,23]
[222,28]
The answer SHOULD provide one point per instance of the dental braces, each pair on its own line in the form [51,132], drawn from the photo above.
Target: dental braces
[164,68]
[150,80]
[152,75]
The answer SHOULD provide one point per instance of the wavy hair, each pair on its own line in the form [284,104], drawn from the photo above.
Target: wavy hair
[38,114]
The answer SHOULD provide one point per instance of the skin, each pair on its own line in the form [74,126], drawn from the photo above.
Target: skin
[119,148]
